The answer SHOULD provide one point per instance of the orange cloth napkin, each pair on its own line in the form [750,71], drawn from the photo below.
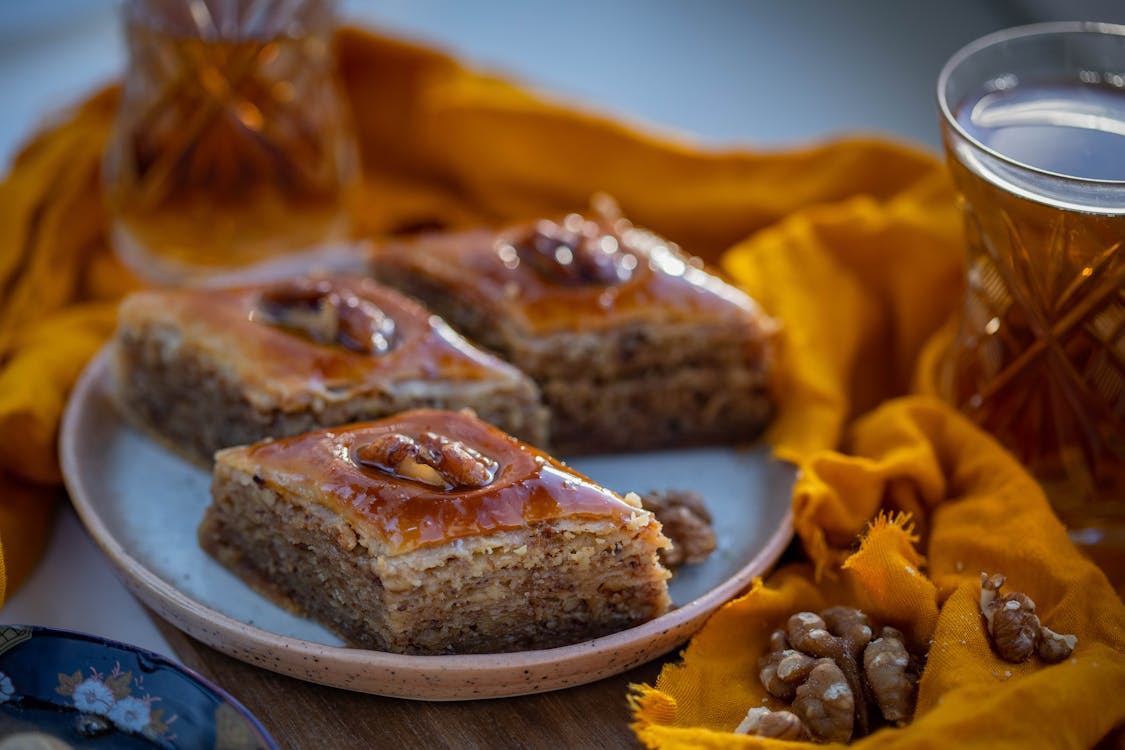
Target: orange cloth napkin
[852,243]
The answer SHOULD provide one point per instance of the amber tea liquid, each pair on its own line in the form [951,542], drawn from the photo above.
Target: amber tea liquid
[226,153]
[1040,356]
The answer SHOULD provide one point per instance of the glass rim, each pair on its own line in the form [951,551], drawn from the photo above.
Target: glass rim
[1049,28]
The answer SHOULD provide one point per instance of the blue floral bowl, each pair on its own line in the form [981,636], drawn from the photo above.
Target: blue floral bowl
[82,690]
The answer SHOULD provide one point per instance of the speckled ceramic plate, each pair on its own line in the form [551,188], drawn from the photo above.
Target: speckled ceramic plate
[141,504]
[82,690]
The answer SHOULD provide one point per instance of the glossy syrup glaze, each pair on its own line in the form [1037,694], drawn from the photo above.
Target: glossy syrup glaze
[642,277]
[527,486]
[230,325]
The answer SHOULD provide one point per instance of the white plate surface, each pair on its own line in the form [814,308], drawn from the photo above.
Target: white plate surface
[142,503]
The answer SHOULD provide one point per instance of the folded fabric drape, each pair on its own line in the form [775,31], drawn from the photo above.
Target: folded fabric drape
[852,244]
[974,510]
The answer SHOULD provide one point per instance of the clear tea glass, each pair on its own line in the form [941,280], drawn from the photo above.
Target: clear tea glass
[231,146]
[1034,128]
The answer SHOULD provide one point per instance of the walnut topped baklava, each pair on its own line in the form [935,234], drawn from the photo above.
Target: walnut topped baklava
[205,369]
[432,532]
[632,342]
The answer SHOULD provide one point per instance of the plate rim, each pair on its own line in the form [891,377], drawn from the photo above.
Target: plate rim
[443,673]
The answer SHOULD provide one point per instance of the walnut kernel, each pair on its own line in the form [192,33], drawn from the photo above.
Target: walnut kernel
[841,683]
[826,703]
[575,251]
[314,309]
[781,672]
[781,725]
[431,459]
[1014,628]
[886,665]
[686,522]
[1053,647]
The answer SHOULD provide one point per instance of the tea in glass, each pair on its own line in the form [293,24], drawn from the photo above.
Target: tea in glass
[1034,129]
[230,147]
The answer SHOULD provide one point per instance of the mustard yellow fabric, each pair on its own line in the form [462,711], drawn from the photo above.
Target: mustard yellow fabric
[983,513]
[852,244]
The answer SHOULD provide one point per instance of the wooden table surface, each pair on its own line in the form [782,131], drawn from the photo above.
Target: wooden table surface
[304,715]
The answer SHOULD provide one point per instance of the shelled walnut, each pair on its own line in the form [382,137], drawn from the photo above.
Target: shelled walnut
[430,458]
[575,251]
[1013,627]
[686,522]
[841,681]
[314,309]
[780,725]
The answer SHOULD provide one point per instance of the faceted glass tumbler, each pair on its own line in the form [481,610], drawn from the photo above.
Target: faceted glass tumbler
[1039,356]
[231,146]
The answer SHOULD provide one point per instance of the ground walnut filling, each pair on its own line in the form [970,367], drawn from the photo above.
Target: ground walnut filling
[430,459]
[317,311]
[841,681]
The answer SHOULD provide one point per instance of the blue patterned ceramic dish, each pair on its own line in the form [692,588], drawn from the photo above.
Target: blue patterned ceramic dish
[86,691]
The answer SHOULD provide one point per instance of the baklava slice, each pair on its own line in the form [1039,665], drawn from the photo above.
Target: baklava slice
[633,343]
[433,532]
[204,369]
